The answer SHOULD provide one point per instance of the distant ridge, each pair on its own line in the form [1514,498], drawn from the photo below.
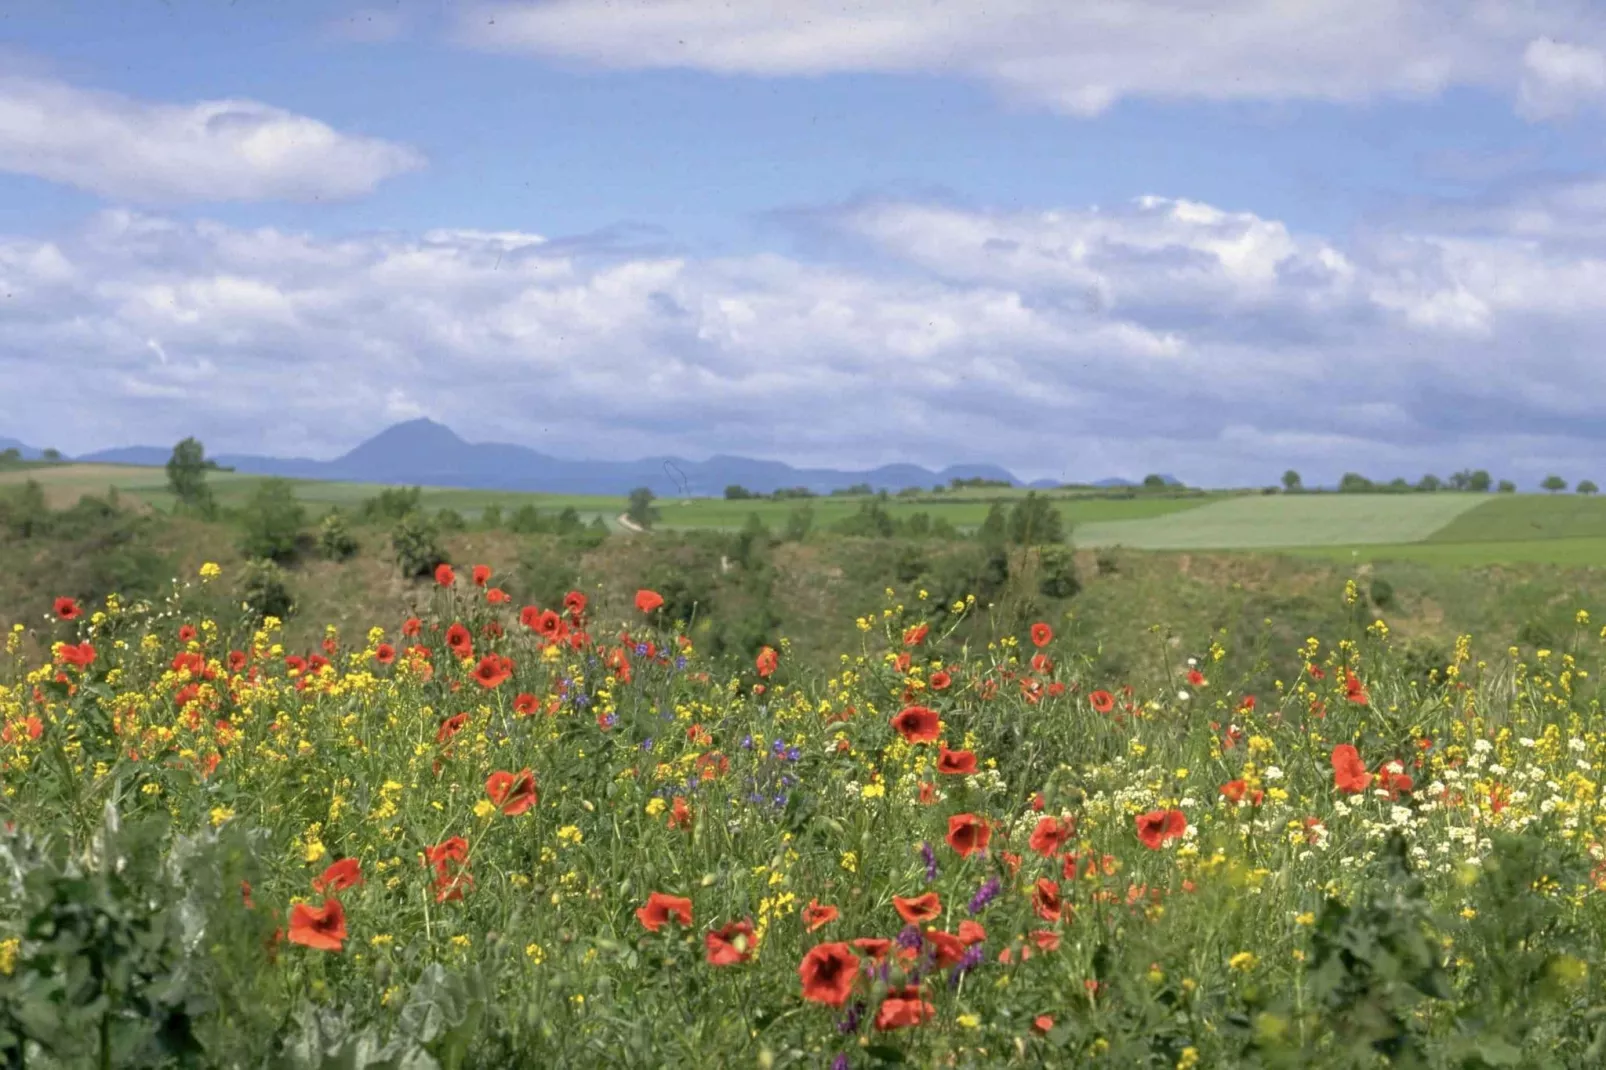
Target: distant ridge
[427,453]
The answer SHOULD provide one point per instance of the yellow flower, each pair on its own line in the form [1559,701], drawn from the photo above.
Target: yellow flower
[1243,961]
[967,1021]
[1189,1059]
[571,835]
[210,571]
[8,954]
[484,808]
[221,814]
[535,953]
[656,806]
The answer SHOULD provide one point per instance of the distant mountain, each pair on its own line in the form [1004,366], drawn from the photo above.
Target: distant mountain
[27,451]
[426,453]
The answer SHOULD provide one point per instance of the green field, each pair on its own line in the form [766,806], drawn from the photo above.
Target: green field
[965,512]
[1269,522]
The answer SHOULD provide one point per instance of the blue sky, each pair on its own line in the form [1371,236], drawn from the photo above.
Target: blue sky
[1077,242]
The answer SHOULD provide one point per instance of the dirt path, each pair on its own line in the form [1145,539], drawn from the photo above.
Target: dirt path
[630,525]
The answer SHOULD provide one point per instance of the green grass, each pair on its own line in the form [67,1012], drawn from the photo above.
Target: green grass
[1573,552]
[1277,521]
[1513,518]
[967,512]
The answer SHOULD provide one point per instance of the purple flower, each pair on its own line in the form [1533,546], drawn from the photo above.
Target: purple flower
[840,1062]
[931,861]
[985,894]
[850,1020]
[967,962]
[910,937]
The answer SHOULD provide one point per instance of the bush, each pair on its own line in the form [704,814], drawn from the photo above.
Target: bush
[1382,593]
[265,591]
[1058,576]
[415,542]
[335,540]
[273,520]
[548,571]
[392,504]
[450,520]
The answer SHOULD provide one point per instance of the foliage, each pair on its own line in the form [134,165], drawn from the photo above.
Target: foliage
[273,520]
[186,477]
[641,511]
[335,540]
[392,504]
[265,590]
[415,541]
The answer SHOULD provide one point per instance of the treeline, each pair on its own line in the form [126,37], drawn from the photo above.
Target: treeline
[1468,480]
[738,493]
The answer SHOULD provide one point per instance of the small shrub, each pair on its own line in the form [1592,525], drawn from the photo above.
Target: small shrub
[264,590]
[335,540]
[1058,576]
[416,544]
[1382,593]
[450,520]
[273,520]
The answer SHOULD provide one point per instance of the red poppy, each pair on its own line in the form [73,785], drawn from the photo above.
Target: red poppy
[828,972]
[1045,939]
[1050,835]
[1042,1024]
[920,908]
[237,660]
[766,661]
[1103,701]
[1046,899]
[647,601]
[903,1007]
[444,575]
[968,834]
[956,762]
[412,626]
[971,932]
[1042,634]
[80,656]
[481,575]
[1353,690]
[496,597]
[1159,827]
[384,653]
[1392,778]
[493,671]
[949,948]
[1234,790]
[460,641]
[873,946]
[940,681]
[525,704]
[323,928]
[660,908]
[450,727]
[513,793]
[817,914]
[575,603]
[346,873]
[730,945]
[918,724]
[680,815]
[1349,772]
[68,609]
[916,635]
[1195,678]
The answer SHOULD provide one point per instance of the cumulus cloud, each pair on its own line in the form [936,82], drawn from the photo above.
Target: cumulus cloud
[1156,335]
[1558,76]
[212,150]
[1082,57]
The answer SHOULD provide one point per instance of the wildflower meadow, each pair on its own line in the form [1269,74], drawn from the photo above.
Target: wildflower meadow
[495,834]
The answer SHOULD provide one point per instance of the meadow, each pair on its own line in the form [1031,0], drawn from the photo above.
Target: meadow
[491,833]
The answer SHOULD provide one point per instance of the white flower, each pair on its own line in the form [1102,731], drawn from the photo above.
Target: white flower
[1575,744]
[1525,741]
[1272,773]
[1482,746]
[1182,695]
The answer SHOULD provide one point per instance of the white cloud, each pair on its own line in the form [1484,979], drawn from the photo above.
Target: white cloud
[1558,76]
[1155,335]
[1082,57]
[211,150]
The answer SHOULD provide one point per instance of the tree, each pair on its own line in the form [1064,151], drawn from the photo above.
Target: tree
[1587,486]
[1154,482]
[1292,483]
[1506,487]
[994,530]
[1429,483]
[186,475]
[335,540]
[11,456]
[1035,522]
[736,493]
[641,511]
[273,521]
[416,545]
[799,522]
[52,455]
[1554,484]
[1479,482]
[1354,483]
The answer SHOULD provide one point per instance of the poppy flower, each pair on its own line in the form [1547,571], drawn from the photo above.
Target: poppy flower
[873,946]
[730,945]
[817,914]
[916,635]
[1159,827]
[450,727]
[647,601]
[949,948]
[1353,689]
[1050,835]
[1042,634]
[525,704]
[660,908]
[384,653]
[346,873]
[1103,701]
[1046,899]
[481,575]
[513,793]
[444,575]
[766,661]
[412,626]
[496,597]
[460,642]
[550,625]
[968,834]
[940,681]
[493,671]
[1195,678]
[575,603]
[1349,772]
[80,656]
[323,928]
[68,609]
[1392,778]
[903,1007]
[828,972]
[971,932]
[956,762]
[1234,790]
[919,908]
[1045,939]
[237,660]
[1042,1024]
[680,815]
[917,724]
